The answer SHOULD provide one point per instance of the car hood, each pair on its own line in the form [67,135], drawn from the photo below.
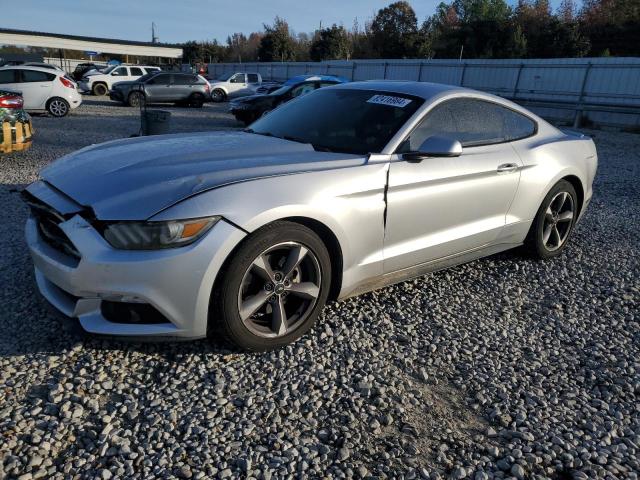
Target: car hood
[133,179]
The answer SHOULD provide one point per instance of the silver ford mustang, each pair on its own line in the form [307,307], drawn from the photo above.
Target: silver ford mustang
[339,192]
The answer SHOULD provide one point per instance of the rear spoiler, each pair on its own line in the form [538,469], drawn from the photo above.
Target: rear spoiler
[573,133]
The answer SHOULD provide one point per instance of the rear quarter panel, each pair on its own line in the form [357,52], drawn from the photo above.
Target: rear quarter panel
[548,157]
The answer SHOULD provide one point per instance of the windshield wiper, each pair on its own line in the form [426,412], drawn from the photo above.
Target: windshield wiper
[322,148]
[251,130]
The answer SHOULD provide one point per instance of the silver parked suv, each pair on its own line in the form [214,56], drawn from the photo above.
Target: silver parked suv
[161,87]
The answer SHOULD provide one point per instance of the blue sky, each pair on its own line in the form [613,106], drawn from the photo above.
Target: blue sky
[182,20]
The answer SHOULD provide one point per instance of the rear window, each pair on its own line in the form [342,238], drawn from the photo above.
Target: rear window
[36,76]
[252,78]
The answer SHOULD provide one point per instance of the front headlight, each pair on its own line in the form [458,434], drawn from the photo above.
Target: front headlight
[156,235]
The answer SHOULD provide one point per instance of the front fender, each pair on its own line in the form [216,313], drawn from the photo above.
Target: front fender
[220,86]
[348,201]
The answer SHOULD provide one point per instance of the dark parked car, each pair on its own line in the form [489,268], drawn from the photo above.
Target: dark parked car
[83,68]
[163,87]
[268,87]
[249,109]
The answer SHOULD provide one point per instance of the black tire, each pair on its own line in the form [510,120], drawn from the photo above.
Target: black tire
[555,219]
[196,100]
[258,332]
[134,98]
[218,95]
[100,89]
[58,107]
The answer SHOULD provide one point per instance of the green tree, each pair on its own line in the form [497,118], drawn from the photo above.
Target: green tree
[277,44]
[612,26]
[330,44]
[394,31]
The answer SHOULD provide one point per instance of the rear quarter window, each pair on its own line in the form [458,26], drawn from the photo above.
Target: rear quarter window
[29,76]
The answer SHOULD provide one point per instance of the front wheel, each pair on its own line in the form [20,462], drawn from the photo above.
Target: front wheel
[100,89]
[218,95]
[554,222]
[273,288]
[58,107]
[135,98]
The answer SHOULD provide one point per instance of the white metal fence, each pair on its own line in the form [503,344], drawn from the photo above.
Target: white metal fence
[604,90]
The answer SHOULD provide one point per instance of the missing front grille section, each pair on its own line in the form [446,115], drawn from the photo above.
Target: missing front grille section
[132,313]
[48,220]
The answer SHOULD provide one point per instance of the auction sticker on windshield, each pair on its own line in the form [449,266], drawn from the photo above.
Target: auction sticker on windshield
[390,101]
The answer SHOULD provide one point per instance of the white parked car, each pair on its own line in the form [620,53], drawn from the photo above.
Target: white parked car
[233,85]
[100,82]
[42,88]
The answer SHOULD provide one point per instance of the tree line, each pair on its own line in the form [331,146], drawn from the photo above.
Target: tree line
[459,29]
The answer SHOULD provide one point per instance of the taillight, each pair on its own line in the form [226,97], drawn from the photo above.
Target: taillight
[11,101]
[67,83]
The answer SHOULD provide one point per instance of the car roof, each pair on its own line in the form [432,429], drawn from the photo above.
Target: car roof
[317,78]
[32,67]
[41,64]
[425,90]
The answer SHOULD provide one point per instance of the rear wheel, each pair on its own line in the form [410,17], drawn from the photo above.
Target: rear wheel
[100,89]
[273,288]
[196,100]
[58,107]
[554,222]
[218,95]
[135,98]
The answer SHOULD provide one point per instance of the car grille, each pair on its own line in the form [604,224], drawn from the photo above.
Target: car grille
[49,221]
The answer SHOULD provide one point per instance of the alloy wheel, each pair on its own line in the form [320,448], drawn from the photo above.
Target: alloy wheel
[58,108]
[558,220]
[279,290]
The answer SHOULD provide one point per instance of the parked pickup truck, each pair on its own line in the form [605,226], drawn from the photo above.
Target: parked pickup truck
[231,85]
[100,82]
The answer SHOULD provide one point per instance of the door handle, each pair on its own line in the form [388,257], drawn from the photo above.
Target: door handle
[507,168]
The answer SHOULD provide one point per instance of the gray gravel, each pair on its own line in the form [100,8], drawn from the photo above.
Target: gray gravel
[502,368]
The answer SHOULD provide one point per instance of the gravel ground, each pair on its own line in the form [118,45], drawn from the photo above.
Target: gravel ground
[502,368]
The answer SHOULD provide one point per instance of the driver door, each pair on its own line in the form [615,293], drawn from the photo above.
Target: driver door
[444,206]
[238,85]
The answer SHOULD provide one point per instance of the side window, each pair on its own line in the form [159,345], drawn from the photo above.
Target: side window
[327,84]
[7,76]
[252,77]
[439,121]
[120,72]
[136,71]
[183,79]
[163,79]
[472,122]
[29,76]
[238,78]
[303,89]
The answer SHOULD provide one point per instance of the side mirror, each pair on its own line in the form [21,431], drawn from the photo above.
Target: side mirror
[435,146]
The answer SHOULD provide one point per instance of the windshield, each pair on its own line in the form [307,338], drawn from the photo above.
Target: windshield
[146,77]
[340,120]
[281,90]
[225,77]
[108,69]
